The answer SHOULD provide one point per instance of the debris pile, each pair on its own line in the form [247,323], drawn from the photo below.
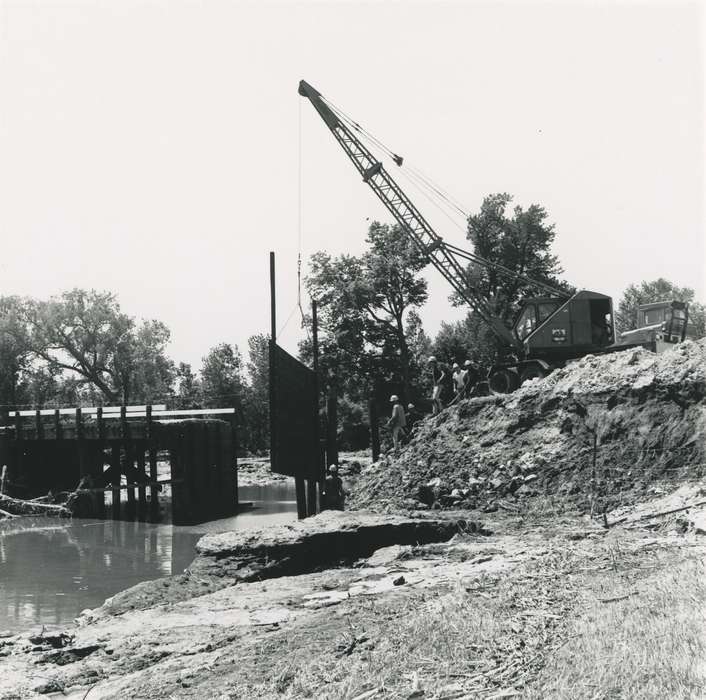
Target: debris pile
[595,434]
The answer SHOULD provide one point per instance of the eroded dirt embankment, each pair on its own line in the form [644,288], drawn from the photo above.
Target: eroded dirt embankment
[647,412]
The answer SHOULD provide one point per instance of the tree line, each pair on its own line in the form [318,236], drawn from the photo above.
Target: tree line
[80,348]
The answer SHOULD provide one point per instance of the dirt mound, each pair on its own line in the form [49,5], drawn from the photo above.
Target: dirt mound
[646,413]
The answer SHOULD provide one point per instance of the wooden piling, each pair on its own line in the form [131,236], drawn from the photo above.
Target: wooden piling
[57,425]
[374,429]
[230,465]
[127,463]
[80,445]
[210,501]
[141,489]
[39,425]
[319,468]
[332,423]
[311,496]
[152,455]
[19,446]
[115,479]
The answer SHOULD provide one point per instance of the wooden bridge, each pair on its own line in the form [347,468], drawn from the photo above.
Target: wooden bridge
[120,460]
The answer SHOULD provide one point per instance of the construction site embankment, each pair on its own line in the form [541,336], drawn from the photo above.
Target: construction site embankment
[603,431]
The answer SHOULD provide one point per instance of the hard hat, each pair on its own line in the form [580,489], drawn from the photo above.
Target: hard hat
[410,406]
[456,365]
[431,359]
[394,398]
[468,363]
[333,468]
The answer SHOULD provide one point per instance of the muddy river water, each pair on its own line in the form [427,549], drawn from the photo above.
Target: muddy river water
[51,570]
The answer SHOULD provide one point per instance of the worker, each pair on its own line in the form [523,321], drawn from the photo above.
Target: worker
[438,375]
[413,417]
[397,422]
[471,377]
[457,378]
[334,495]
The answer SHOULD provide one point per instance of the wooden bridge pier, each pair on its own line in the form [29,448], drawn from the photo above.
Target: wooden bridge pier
[117,449]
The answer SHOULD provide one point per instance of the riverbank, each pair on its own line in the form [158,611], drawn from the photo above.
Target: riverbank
[255,471]
[506,606]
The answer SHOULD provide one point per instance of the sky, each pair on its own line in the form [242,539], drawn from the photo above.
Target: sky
[160,150]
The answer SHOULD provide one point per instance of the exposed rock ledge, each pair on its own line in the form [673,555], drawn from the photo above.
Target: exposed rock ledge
[304,546]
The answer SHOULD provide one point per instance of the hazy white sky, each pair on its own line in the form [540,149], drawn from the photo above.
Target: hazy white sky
[152,148]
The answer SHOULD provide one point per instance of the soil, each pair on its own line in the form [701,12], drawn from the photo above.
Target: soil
[646,413]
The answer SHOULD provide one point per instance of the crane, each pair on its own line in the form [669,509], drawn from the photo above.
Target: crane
[550,328]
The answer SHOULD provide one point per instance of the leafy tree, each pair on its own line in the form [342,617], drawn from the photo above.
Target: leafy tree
[222,377]
[143,370]
[420,348]
[364,302]
[520,242]
[15,350]
[256,409]
[467,339]
[654,291]
[353,425]
[85,333]
[188,392]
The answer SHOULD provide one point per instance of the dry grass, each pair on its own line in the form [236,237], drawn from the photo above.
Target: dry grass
[543,633]
[548,629]
[479,637]
[651,644]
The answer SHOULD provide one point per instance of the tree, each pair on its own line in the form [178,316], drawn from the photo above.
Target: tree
[85,333]
[521,243]
[420,349]
[15,350]
[654,291]
[143,370]
[364,302]
[256,410]
[188,391]
[222,377]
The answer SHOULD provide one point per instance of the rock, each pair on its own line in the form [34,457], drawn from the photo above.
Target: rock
[497,484]
[474,484]
[697,520]
[385,555]
[399,581]
[425,494]
[306,544]
[50,686]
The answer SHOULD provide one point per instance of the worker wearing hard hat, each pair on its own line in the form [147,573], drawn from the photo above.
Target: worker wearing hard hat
[334,495]
[397,422]
[438,375]
[457,378]
[470,378]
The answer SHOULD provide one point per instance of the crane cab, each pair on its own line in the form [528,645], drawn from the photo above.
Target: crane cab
[552,330]
[562,329]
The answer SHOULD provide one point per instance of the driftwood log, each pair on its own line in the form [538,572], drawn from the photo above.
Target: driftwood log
[18,506]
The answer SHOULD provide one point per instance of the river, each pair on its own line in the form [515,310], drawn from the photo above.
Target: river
[51,570]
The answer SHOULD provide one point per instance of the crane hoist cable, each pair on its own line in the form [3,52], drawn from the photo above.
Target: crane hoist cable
[300,223]
[445,264]
[399,160]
